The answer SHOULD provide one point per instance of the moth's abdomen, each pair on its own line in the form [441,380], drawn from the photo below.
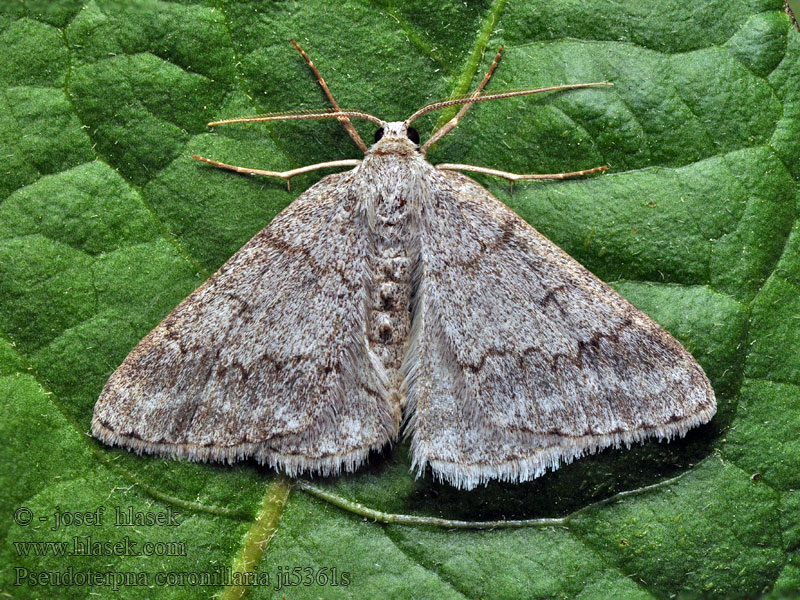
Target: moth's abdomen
[390,320]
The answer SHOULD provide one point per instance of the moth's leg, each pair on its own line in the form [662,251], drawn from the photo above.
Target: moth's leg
[512,177]
[351,131]
[287,175]
[452,123]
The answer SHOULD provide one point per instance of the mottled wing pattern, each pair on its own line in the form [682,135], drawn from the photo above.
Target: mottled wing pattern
[521,359]
[269,357]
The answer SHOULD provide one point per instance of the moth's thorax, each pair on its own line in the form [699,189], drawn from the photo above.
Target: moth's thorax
[390,184]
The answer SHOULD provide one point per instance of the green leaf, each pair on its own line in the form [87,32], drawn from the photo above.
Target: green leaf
[106,224]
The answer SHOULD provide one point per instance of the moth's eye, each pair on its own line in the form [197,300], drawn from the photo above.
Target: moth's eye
[379,133]
[413,135]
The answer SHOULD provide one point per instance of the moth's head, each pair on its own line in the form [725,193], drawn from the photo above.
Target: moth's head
[395,137]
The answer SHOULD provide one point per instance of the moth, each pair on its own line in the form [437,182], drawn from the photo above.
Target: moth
[402,295]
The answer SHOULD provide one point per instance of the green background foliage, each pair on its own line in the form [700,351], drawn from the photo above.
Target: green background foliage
[106,224]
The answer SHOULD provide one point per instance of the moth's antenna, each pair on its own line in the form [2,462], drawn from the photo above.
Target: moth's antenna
[452,123]
[348,126]
[472,100]
[339,114]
